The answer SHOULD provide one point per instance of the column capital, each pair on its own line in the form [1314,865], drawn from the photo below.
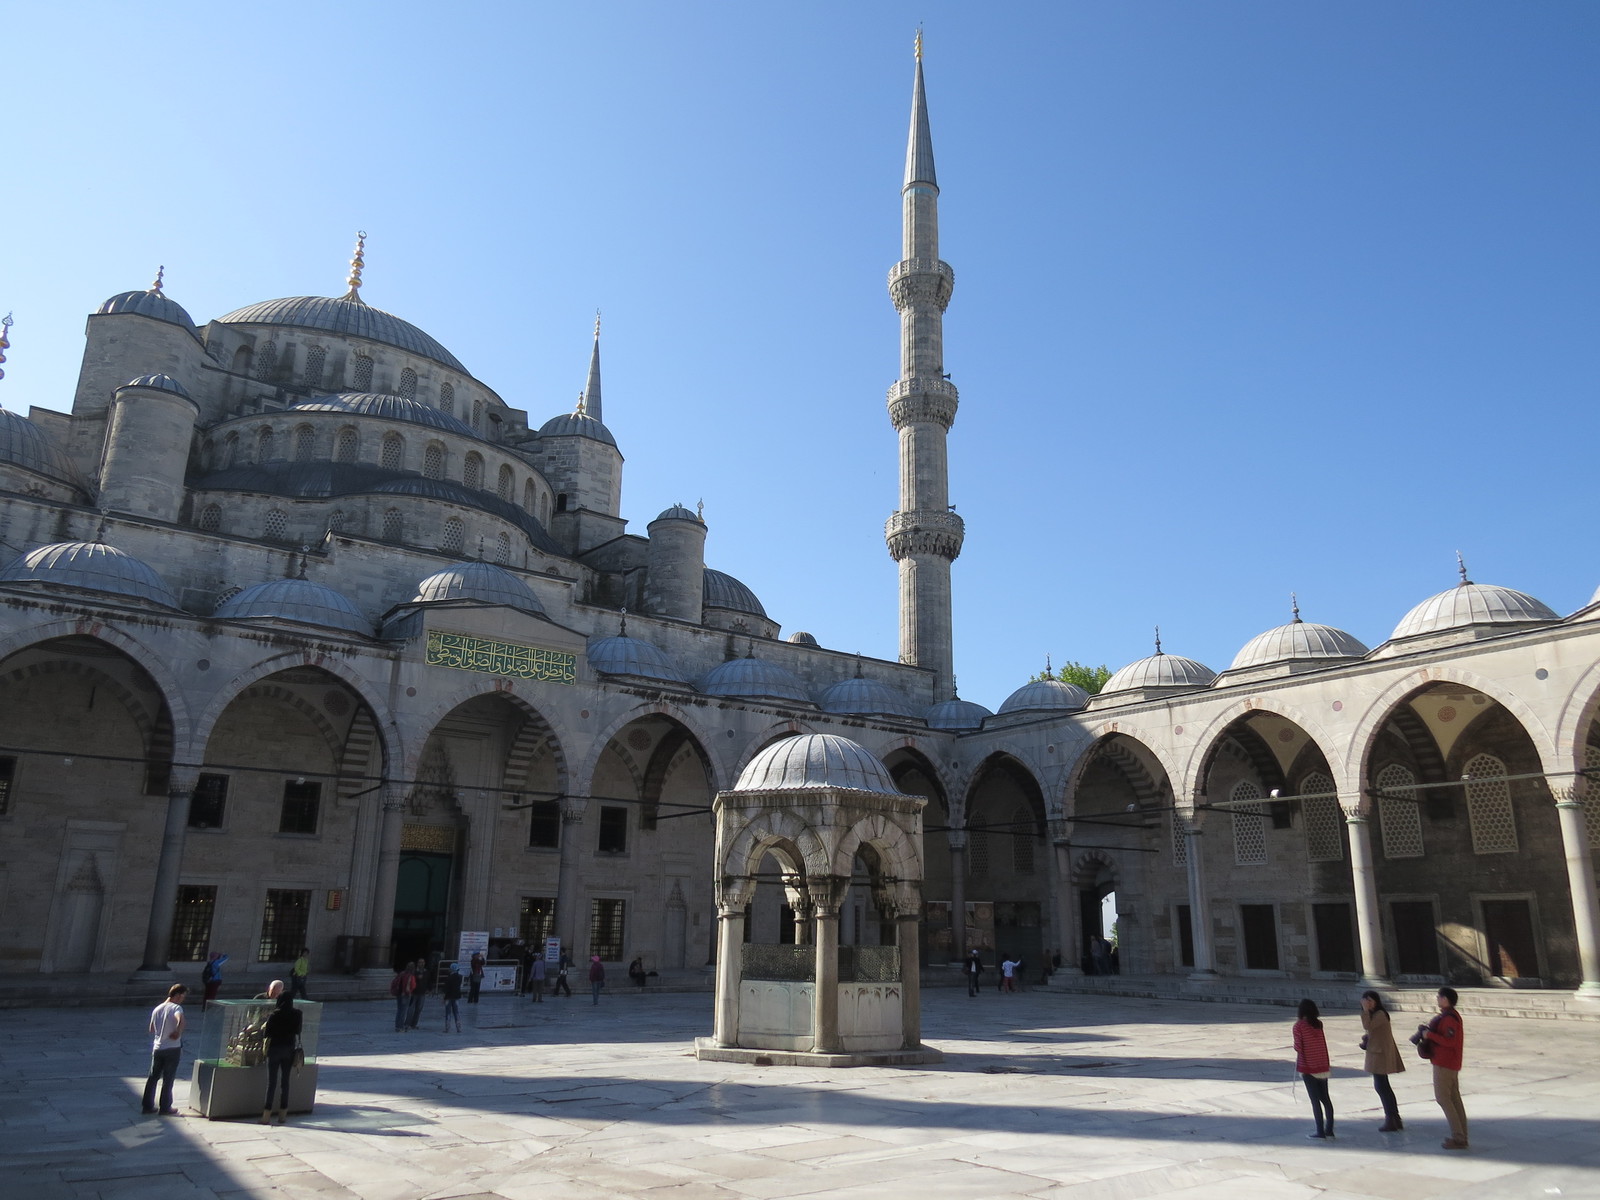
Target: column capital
[957,839]
[573,808]
[183,780]
[393,796]
[1356,807]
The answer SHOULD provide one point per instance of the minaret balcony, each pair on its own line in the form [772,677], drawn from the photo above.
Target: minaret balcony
[922,400]
[924,532]
[921,282]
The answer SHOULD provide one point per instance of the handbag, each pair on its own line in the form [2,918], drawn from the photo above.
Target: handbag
[299,1059]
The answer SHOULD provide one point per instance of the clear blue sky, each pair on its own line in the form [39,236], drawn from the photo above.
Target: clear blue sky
[1251,297]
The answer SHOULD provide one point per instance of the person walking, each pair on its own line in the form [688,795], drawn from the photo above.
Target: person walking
[166,1048]
[973,968]
[452,997]
[563,984]
[597,976]
[1383,1058]
[298,973]
[474,977]
[1008,975]
[211,978]
[636,974]
[1446,1035]
[419,993]
[401,987]
[1311,1060]
[536,977]
[282,1032]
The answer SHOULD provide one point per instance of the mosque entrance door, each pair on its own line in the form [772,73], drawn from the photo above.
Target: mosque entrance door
[421,903]
[1017,935]
[1513,949]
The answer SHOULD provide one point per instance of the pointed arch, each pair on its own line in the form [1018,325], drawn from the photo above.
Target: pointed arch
[1211,738]
[720,777]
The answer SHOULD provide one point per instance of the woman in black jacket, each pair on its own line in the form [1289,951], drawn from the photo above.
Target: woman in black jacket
[282,1032]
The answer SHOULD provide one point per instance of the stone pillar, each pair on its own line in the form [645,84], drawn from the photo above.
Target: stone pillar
[1369,925]
[1580,879]
[164,896]
[907,931]
[825,993]
[1071,928]
[568,897]
[380,946]
[1199,910]
[958,893]
[730,947]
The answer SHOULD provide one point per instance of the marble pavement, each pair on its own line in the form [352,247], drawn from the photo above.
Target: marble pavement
[1041,1095]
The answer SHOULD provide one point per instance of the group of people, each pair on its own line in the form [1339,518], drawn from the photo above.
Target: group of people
[211,977]
[1440,1041]
[1010,973]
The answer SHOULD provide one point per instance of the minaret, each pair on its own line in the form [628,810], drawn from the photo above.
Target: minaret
[925,535]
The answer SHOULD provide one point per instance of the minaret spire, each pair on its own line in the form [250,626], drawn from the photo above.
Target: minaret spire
[591,390]
[925,535]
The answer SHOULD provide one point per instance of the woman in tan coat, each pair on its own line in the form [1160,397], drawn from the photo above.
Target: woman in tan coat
[1383,1058]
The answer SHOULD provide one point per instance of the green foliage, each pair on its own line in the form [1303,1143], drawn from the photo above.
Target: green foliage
[1090,679]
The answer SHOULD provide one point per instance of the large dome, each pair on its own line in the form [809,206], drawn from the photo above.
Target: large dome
[393,408]
[91,567]
[816,760]
[754,679]
[866,698]
[297,600]
[482,582]
[1299,641]
[632,656]
[148,304]
[1469,604]
[346,316]
[577,425]
[722,590]
[956,714]
[1045,695]
[23,444]
[1160,671]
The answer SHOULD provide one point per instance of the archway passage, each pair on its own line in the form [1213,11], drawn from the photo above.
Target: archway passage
[1007,886]
[421,903]
[914,775]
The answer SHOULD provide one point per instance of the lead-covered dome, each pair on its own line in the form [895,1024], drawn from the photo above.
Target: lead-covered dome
[348,316]
[956,714]
[1045,695]
[866,698]
[90,567]
[149,304]
[24,444]
[754,679]
[577,425]
[624,655]
[159,383]
[480,582]
[1299,641]
[801,638]
[816,760]
[1469,604]
[1160,670]
[297,600]
[393,408]
[721,590]
[679,513]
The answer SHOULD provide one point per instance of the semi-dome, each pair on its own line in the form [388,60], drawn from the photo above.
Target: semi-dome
[1469,604]
[1045,695]
[632,656]
[482,582]
[722,590]
[297,600]
[1160,671]
[866,698]
[449,490]
[90,567]
[393,408]
[956,714]
[679,513]
[577,425]
[1299,641]
[23,444]
[754,679]
[149,304]
[801,638]
[158,383]
[348,317]
[816,760]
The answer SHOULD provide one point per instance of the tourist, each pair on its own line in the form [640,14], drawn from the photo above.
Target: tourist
[211,978]
[563,984]
[452,997]
[419,993]
[274,990]
[1446,1037]
[401,987]
[282,1031]
[1008,975]
[973,968]
[1311,1060]
[1383,1058]
[536,977]
[636,973]
[298,973]
[597,976]
[474,977]
[166,1048]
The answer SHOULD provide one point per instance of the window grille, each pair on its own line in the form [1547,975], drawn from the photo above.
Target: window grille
[211,518]
[1022,842]
[191,923]
[336,521]
[455,536]
[302,803]
[544,824]
[408,384]
[1180,842]
[1249,825]
[613,830]
[507,484]
[1591,796]
[284,922]
[316,360]
[362,375]
[433,461]
[267,361]
[230,451]
[264,445]
[528,494]
[472,471]
[477,414]
[537,921]
[502,549]
[605,929]
[393,528]
[8,777]
[348,446]
[394,451]
[1494,828]
[447,398]
[1401,814]
[208,804]
[275,526]
[305,443]
[978,852]
[1323,817]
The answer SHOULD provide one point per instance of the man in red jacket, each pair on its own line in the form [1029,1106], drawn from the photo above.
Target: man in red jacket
[1447,1037]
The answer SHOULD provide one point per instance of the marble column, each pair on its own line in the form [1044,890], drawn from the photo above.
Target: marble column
[1369,923]
[1580,880]
[907,932]
[380,946]
[169,867]
[825,991]
[958,893]
[730,947]
[1199,908]
[1070,927]
[568,888]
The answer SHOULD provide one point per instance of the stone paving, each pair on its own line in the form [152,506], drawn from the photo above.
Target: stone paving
[1041,1095]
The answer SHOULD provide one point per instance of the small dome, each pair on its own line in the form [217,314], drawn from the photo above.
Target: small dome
[632,656]
[577,425]
[1298,641]
[392,408]
[679,513]
[350,317]
[866,697]
[148,304]
[956,714]
[1160,671]
[1045,695]
[802,638]
[297,600]
[158,383]
[91,567]
[816,760]
[479,581]
[722,590]
[753,679]
[1469,604]
[23,444]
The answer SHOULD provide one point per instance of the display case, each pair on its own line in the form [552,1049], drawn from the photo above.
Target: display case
[230,1069]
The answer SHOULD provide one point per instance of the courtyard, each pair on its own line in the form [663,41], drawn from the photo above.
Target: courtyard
[1040,1095]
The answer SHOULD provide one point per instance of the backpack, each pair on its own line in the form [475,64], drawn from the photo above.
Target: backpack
[394,984]
[210,974]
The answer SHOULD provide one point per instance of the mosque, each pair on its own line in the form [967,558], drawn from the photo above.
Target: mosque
[309,637]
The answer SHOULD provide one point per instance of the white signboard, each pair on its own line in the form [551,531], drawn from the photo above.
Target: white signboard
[552,950]
[473,942]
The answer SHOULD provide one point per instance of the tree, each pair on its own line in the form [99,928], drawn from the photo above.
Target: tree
[1090,679]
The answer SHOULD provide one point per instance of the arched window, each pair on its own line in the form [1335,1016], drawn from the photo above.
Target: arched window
[1321,816]
[264,444]
[408,384]
[361,375]
[316,360]
[528,495]
[507,483]
[393,527]
[1591,796]
[472,470]
[1494,825]
[561,502]
[1022,841]
[275,526]
[241,361]
[211,518]
[1400,812]
[455,536]
[978,853]
[394,451]
[544,509]
[336,521]
[230,452]
[502,549]
[1249,825]
[348,445]
[267,360]
[1180,841]
[447,398]
[433,461]
[477,414]
[305,443]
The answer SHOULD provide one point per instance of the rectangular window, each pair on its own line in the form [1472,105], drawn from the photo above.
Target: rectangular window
[1185,936]
[613,831]
[301,804]
[1416,939]
[537,921]
[605,929]
[544,824]
[209,803]
[8,775]
[1336,937]
[283,925]
[191,923]
[1260,937]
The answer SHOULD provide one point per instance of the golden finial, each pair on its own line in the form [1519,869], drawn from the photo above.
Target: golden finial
[161,274]
[1159,650]
[5,341]
[583,407]
[919,43]
[356,263]
[1049,671]
[1294,603]
[1461,566]
[597,324]
[700,511]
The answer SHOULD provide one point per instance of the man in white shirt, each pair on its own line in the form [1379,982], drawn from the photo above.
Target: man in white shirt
[1008,974]
[166,1047]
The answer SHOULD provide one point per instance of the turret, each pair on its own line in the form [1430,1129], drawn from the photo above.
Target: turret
[675,582]
[580,458]
[147,448]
